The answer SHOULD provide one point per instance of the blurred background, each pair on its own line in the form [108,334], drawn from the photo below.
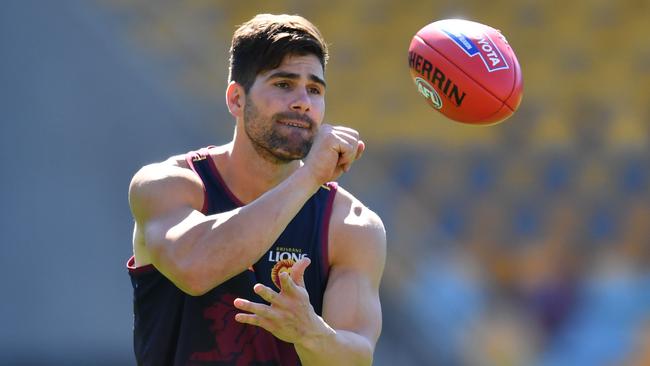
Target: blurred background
[524,243]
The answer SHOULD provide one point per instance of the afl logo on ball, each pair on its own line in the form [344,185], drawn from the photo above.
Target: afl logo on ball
[428,92]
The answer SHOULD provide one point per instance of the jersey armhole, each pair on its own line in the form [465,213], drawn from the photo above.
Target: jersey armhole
[130,266]
[327,217]
[192,157]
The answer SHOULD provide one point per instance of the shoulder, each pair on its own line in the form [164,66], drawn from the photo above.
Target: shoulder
[159,186]
[355,231]
[350,215]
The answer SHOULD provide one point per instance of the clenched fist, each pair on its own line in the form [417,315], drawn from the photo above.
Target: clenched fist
[334,150]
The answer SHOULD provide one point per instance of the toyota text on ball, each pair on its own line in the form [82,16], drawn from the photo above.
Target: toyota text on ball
[485,49]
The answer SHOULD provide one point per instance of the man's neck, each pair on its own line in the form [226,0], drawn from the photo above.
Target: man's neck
[247,174]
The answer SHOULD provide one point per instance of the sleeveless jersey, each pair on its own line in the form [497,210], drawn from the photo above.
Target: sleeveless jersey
[174,328]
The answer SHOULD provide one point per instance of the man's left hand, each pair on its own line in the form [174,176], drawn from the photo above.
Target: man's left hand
[290,316]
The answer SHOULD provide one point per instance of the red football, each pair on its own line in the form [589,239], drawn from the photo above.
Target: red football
[466,70]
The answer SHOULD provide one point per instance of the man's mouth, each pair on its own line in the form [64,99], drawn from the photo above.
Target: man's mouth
[294,123]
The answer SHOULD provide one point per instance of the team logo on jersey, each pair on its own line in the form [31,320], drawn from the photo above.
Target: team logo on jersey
[284,258]
[479,44]
[283,265]
[281,253]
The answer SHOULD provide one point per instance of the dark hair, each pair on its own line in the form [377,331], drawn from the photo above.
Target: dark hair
[261,44]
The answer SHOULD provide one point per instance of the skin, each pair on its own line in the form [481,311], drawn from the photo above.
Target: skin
[277,122]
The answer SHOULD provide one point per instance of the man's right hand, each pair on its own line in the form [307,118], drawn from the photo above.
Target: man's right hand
[334,151]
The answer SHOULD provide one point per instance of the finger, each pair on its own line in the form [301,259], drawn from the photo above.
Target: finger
[347,136]
[252,307]
[347,154]
[288,286]
[361,147]
[348,130]
[346,167]
[266,293]
[253,319]
[298,271]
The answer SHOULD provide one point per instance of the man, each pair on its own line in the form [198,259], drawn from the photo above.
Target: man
[247,253]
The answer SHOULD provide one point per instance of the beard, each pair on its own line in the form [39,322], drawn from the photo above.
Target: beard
[276,142]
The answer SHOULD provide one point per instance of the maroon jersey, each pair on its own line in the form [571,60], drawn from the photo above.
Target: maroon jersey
[174,328]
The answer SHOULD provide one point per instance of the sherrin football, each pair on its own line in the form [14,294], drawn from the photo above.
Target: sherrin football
[466,70]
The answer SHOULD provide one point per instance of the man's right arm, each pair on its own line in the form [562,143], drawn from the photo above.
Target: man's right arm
[198,252]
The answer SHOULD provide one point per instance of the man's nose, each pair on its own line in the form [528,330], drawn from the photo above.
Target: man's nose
[301,101]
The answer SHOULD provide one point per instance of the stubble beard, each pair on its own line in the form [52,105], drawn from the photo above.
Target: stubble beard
[268,139]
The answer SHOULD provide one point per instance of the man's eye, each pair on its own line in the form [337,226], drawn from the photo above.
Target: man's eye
[314,91]
[282,84]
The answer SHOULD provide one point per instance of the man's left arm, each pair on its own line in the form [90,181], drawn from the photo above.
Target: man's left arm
[351,307]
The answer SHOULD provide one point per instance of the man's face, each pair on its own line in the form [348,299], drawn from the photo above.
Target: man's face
[285,107]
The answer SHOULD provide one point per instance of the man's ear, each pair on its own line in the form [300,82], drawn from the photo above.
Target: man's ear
[235,99]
